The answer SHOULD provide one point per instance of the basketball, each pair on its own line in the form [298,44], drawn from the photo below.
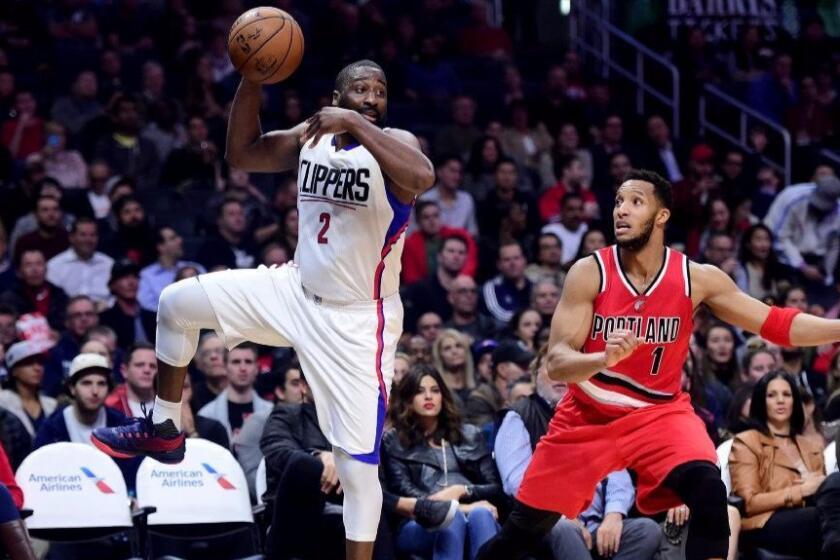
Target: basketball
[265,45]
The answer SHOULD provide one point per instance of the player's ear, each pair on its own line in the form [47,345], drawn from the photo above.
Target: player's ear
[662,216]
[335,97]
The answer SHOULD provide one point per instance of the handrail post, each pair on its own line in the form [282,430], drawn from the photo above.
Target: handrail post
[743,128]
[640,93]
[702,115]
[675,95]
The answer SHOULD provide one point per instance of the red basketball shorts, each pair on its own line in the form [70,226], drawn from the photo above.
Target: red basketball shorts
[583,446]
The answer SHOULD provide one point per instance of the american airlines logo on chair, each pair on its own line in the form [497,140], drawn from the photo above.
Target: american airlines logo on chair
[99,482]
[220,478]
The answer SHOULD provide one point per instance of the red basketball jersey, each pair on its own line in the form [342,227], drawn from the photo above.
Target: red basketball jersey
[661,317]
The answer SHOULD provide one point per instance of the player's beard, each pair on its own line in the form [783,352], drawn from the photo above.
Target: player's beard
[640,241]
[380,117]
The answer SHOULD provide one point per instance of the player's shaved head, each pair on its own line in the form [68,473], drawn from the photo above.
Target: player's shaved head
[352,71]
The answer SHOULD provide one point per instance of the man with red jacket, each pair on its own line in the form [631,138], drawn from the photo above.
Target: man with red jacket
[422,247]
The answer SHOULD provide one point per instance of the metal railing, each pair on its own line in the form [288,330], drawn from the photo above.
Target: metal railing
[831,156]
[711,95]
[593,35]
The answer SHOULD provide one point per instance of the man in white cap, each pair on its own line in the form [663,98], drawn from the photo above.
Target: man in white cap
[88,383]
[23,396]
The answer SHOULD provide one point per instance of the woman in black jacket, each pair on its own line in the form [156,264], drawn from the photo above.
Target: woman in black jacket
[429,453]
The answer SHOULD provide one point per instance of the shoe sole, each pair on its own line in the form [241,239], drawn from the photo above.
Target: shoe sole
[167,457]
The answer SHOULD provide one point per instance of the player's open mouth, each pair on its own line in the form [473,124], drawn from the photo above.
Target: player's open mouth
[371,116]
[620,226]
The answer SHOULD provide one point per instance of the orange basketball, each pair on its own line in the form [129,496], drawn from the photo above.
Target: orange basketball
[265,45]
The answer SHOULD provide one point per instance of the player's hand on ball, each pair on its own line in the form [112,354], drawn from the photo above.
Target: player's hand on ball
[329,120]
[620,344]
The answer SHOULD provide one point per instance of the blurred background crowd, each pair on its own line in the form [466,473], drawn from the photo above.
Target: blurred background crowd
[113,185]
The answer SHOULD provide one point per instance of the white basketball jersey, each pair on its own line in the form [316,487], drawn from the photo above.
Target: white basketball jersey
[351,228]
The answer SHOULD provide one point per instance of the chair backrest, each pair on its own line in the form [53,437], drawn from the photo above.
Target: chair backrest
[723,462]
[71,486]
[830,457]
[260,483]
[208,486]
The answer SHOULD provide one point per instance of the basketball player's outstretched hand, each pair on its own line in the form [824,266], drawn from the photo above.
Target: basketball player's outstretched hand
[620,344]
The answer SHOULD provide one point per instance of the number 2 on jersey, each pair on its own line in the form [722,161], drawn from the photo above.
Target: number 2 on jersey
[324,218]
[657,359]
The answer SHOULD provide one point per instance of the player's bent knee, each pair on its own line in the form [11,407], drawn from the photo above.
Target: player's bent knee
[362,497]
[710,518]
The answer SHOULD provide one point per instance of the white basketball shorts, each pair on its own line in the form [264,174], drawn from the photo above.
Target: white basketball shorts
[346,350]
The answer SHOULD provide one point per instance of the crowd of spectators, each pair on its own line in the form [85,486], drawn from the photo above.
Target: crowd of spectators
[113,185]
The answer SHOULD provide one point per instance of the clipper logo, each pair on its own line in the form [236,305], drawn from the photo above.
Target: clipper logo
[100,482]
[220,478]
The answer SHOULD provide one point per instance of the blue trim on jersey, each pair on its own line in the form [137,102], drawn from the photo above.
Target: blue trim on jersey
[373,457]
[348,147]
[402,213]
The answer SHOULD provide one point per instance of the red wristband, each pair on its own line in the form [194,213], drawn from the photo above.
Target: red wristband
[776,327]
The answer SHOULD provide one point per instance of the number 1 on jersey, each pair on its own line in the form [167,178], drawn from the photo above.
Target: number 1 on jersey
[324,218]
[657,359]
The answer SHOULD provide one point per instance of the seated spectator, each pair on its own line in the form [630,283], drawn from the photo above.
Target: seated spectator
[663,154]
[549,261]
[519,389]
[8,331]
[592,240]
[238,185]
[568,144]
[571,227]
[290,387]
[757,364]
[776,470]
[571,181]
[421,248]
[66,166]
[22,393]
[430,454]
[808,233]
[29,222]
[23,133]
[80,316]
[453,361]
[458,137]
[81,270]
[510,291]
[136,395]
[482,352]
[544,299]
[717,218]
[505,193]
[720,252]
[774,93]
[231,246]
[457,208]
[125,315]
[155,277]
[133,239]
[524,326]
[239,400]
[126,152]
[14,538]
[33,293]
[759,272]
[88,383]
[195,426]
[769,184]
[510,361]
[481,166]
[432,293]
[210,378]
[719,366]
[402,363]
[79,107]
[479,38]
[50,237]
[693,384]
[196,164]
[527,142]
[466,318]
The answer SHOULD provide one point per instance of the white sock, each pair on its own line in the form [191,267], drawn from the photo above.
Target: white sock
[165,410]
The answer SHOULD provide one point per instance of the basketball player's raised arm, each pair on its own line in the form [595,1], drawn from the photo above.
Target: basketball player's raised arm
[247,147]
[570,326]
[715,288]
